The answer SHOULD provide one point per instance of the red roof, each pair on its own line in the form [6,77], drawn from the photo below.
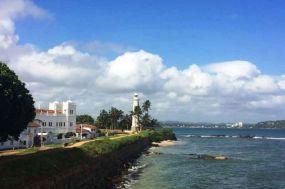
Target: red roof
[78,127]
[48,111]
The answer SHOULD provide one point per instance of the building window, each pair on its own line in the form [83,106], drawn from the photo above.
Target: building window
[44,124]
[70,111]
[71,124]
[49,123]
[64,124]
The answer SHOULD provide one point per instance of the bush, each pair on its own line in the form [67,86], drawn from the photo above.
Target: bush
[59,136]
[69,134]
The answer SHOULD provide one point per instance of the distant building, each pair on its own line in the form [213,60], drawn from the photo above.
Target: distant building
[135,119]
[60,117]
[237,125]
[87,131]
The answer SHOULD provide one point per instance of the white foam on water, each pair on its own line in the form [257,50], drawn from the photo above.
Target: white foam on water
[274,138]
[208,136]
[257,137]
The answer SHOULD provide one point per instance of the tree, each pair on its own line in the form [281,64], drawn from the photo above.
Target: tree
[138,112]
[115,116]
[146,106]
[85,119]
[103,120]
[146,120]
[16,104]
[126,122]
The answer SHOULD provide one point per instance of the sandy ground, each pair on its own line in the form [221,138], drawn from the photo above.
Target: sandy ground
[79,143]
[164,143]
[84,142]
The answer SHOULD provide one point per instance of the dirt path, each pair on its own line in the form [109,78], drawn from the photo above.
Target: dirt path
[77,144]
[86,141]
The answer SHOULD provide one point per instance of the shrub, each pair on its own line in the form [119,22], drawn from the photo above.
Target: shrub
[59,136]
[69,134]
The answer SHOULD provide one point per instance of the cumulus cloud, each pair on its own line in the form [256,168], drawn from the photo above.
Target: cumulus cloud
[132,71]
[225,91]
[234,69]
[11,10]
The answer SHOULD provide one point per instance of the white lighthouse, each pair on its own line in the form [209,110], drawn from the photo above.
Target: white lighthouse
[135,119]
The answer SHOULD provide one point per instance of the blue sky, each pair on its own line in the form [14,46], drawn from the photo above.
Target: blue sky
[200,60]
[181,32]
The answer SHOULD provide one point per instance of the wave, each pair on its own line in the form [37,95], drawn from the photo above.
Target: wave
[131,176]
[273,138]
[235,136]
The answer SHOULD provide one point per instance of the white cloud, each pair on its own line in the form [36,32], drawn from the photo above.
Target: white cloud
[132,71]
[234,69]
[234,90]
[192,81]
[13,9]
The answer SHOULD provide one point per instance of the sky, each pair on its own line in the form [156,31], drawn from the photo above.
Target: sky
[214,61]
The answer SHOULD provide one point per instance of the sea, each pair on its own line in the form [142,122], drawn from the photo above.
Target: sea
[256,161]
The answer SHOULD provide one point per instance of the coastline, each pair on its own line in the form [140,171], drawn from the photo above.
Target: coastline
[92,165]
[164,143]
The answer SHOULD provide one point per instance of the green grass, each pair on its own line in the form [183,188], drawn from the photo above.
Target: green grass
[16,171]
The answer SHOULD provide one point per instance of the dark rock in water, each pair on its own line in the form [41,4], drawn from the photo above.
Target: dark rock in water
[148,153]
[246,136]
[154,145]
[207,157]
[219,136]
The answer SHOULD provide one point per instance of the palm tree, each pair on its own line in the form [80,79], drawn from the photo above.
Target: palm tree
[103,120]
[125,122]
[146,106]
[115,116]
[138,112]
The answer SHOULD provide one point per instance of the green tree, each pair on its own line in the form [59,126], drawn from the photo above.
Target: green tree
[16,104]
[146,106]
[138,112]
[146,120]
[126,122]
[87,119]
[103,120]
[115,116]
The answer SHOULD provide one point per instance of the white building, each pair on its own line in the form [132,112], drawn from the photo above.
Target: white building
[237,125]
[60,117]
[135,119]
[26,138]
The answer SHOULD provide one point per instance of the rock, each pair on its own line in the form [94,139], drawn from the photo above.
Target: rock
[221,157]
[207,157]
[155,144]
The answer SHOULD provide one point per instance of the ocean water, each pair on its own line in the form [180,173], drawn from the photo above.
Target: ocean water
[256,160]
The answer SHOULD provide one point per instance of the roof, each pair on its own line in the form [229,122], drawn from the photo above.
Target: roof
[33,124]
[78,127]
[38,111]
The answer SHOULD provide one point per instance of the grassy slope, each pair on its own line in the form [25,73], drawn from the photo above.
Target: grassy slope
[20,170]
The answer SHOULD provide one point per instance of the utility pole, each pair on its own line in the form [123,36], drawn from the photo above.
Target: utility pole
[41,134]
[81,131]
